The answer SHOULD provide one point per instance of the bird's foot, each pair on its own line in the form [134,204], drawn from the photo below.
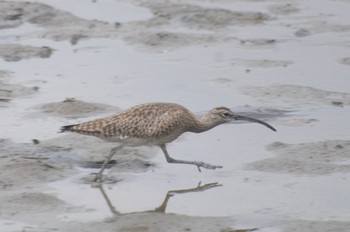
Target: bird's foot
[201,187]
[206,166]
[199,164]
[98,177]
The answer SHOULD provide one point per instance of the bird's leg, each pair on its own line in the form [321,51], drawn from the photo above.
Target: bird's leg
[199,164]
[98,177]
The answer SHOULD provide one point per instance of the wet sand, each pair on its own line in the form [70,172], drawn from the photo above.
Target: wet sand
[285,62]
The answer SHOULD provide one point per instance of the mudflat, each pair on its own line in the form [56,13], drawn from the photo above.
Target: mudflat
[285,62]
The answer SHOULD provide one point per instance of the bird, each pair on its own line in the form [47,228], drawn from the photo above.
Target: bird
[155,124]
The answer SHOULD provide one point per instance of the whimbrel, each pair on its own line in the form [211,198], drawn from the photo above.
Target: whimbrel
[155,124]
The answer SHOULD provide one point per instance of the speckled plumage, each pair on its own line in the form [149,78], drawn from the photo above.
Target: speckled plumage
[155,124]
[152,123]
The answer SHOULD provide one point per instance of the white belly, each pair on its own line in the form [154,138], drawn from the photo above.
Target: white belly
[132,141]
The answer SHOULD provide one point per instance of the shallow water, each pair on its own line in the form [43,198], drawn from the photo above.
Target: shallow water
[249,68]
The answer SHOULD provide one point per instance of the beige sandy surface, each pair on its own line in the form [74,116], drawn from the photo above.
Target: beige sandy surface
[286,62]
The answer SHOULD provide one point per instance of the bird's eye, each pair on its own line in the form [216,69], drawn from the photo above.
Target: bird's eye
[226,115]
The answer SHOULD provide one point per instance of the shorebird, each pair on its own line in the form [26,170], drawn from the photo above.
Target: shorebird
[155,124]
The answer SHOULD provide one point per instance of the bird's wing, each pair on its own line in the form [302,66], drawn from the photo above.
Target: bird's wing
[144,123]
[93,127]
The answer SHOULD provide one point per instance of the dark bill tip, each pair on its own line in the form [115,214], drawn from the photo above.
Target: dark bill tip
[239,117]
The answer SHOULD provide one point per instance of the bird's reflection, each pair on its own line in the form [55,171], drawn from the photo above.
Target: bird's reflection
[162,207]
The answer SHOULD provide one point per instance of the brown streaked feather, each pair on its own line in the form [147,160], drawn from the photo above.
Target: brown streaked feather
[67,128]
[92,127]
[151,120]
[147,121]
[220,108]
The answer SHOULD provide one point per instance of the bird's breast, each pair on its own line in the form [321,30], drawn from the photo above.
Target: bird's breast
[141,141]
[128,140]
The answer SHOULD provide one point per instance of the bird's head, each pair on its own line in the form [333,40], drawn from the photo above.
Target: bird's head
[222,115]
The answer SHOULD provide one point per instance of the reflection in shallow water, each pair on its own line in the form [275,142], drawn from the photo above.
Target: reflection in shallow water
[157,218]
[162,207]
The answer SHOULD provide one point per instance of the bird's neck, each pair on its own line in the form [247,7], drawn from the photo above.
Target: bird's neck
[203,123]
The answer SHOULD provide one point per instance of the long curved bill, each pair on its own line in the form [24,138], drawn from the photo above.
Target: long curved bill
[239,117]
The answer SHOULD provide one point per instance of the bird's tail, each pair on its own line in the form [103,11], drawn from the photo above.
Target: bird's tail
[67,128]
